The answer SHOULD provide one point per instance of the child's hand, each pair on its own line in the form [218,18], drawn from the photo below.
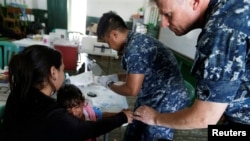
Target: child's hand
[98,113]
[106,79]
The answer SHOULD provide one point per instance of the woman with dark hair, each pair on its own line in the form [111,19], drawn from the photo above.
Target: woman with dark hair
[31,113]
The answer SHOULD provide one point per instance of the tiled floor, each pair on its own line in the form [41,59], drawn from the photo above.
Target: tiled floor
[117,134]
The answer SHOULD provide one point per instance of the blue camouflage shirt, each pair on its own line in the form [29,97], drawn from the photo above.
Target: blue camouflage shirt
[222,61]
[163,87]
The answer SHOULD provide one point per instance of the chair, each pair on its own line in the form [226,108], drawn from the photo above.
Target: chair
[70,57]
[2,107]
[1,57]
[191,91]
[7,50]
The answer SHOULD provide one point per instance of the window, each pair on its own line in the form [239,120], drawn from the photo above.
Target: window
[77,15]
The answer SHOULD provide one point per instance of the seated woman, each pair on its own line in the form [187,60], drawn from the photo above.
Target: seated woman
[35,74]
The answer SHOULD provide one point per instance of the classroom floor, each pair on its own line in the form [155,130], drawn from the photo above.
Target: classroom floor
[117,134]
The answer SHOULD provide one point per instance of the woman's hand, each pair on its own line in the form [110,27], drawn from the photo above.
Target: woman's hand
[129,115]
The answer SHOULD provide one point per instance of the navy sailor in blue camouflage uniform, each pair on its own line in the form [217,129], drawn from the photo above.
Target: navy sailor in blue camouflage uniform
[152,74]
[222,62]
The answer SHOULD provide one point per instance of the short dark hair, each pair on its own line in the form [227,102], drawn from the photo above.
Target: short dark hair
[69,96]
[109,21]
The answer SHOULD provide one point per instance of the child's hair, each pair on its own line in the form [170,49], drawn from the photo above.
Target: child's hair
[69,96]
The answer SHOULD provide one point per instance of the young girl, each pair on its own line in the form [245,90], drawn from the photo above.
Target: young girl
[71,98]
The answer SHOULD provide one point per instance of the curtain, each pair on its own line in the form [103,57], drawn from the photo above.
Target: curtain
[67,14]
[57,14]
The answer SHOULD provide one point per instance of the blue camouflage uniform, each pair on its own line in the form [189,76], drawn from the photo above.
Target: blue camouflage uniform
[163,87]
[222,60]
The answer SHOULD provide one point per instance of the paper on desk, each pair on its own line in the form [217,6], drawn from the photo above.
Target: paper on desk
[106,99]
[99,79]
[82,79]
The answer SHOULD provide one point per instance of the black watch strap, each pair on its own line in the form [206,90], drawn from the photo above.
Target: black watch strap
[110,83]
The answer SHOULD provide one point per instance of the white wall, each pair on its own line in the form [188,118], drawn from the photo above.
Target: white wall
[125,8]
[76,19]
[2,2]
[39,4]
[183,44]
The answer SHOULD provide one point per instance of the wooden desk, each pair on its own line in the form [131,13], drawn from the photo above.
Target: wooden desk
[17,19]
